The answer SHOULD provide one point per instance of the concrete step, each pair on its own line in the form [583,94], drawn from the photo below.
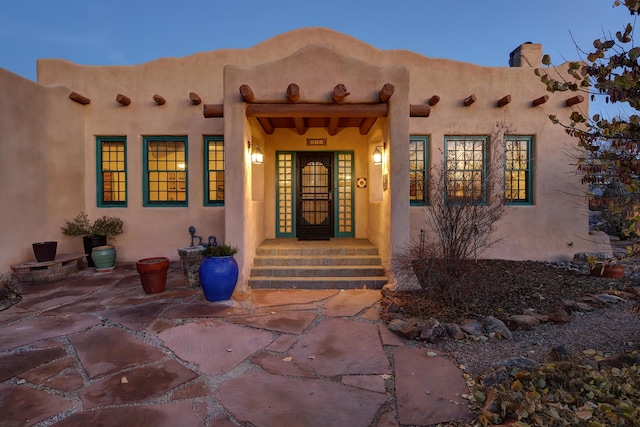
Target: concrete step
[317,283]
[337,260]
[317,271]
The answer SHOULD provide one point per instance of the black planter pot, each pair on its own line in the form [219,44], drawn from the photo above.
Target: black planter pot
[45,251]
[91,242]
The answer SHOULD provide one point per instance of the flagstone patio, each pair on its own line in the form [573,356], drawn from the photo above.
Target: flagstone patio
[93,349]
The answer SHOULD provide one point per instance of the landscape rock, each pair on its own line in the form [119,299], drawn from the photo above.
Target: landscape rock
[583,306]
[432,331]
[454,331]
[472,327]
[540,317]
[559,315]
[492,325]
[405,329]
[522,363]
[523,321]
[559,353]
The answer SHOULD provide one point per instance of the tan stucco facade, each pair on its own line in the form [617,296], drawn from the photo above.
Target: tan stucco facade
[48,146]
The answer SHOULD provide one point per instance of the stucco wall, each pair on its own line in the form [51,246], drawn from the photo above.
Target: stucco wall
[317,60]
[42,168]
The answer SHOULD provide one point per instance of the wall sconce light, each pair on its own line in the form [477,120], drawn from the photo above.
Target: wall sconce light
[257,157]
[378,154]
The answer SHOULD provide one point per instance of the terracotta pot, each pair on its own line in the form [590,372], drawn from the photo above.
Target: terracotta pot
[45,251]
[610,271]
[153,274]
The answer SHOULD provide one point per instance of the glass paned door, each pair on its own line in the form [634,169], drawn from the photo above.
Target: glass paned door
[314,217]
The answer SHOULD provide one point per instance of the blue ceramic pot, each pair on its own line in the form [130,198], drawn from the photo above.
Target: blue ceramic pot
[218,277]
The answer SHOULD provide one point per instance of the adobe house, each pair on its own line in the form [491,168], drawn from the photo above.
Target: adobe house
[175,142]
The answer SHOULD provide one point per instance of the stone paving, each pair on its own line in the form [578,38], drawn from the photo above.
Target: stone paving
[94,349]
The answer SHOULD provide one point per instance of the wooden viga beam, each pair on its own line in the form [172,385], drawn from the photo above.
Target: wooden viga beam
[247,93]
[293,92]
[317,110]
[419,110]
[386,92]
[123,100]
[74,96]
[213,110]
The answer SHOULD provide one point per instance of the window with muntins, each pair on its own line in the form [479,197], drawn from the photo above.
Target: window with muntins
[518,169]
[418,162]
[465,168]
[214,170]
[112,171]
[165,171]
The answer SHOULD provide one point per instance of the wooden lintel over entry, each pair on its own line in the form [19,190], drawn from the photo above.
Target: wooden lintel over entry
[317,110]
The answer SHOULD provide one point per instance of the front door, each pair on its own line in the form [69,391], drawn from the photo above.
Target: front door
[314,218]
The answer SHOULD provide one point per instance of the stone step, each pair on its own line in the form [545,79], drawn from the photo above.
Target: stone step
[316,251]
[317,283]
[317,271]
[337,260]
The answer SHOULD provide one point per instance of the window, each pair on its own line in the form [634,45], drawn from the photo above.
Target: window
[111,171]
[418,161]
[518,169]
[165,171]
[214,170]
[465,168]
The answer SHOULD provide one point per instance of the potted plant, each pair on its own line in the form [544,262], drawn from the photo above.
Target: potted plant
[219,272]
[605,268]
[94,234]
[153,274]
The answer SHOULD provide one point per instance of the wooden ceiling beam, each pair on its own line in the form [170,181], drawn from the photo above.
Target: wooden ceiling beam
[247,93]
[367,124]
[340,93]
[213,110]
[333,125]
[195,99]
[80,99]
[298,122]
[266,124]
[386,92]
[317,110]
[293,92]
[419,110]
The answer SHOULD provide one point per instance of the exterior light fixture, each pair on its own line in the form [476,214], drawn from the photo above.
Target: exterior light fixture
[377,155]
[257,157]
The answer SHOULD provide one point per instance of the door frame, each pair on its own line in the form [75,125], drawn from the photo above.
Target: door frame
[343,193]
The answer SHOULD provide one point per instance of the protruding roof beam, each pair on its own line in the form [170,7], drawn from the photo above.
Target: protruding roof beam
[386,92]
[293,92]
[246,93]
[195,99]
[434,100]
[213,110]
[266,125]
[367,124]
[574,100]
[159,100]
[504,100]
[340,92]
[469,100]
[333,125]
[419,110]
[540,101]
[74,96]
[123,100]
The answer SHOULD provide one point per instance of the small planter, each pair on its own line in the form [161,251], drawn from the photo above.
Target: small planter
[610,271]
[153,274]
[104,258]
[218,277]
[45,251]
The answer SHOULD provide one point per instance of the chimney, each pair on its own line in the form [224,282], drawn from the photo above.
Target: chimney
[526,55]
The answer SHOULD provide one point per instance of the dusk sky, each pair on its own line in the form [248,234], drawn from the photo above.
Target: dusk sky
[118,32]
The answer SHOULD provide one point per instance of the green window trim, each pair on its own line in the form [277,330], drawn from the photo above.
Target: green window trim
[111,171]
[418,170]
[165,171]
[214,171]
[468,177]
[285,187]
[518,169]
[344,206]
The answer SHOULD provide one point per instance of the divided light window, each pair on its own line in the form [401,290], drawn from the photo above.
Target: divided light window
[465,168]
[418,161]
[165,170]
[214,170]
[111,167]
[518,170]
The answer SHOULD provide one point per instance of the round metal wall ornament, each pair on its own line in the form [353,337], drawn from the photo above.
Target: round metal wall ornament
[361,182]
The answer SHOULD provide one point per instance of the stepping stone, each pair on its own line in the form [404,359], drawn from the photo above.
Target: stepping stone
[203,309]
[177,414]
[428,389]
[277,366]
[13,365]
[69,382]
[43,373]
[137,317]
[351,302]
[329,349]
[23,406]
[141,384]
[105,351]
[32,330]
[272,298]
[289,322]
[273,401]
[216,347]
